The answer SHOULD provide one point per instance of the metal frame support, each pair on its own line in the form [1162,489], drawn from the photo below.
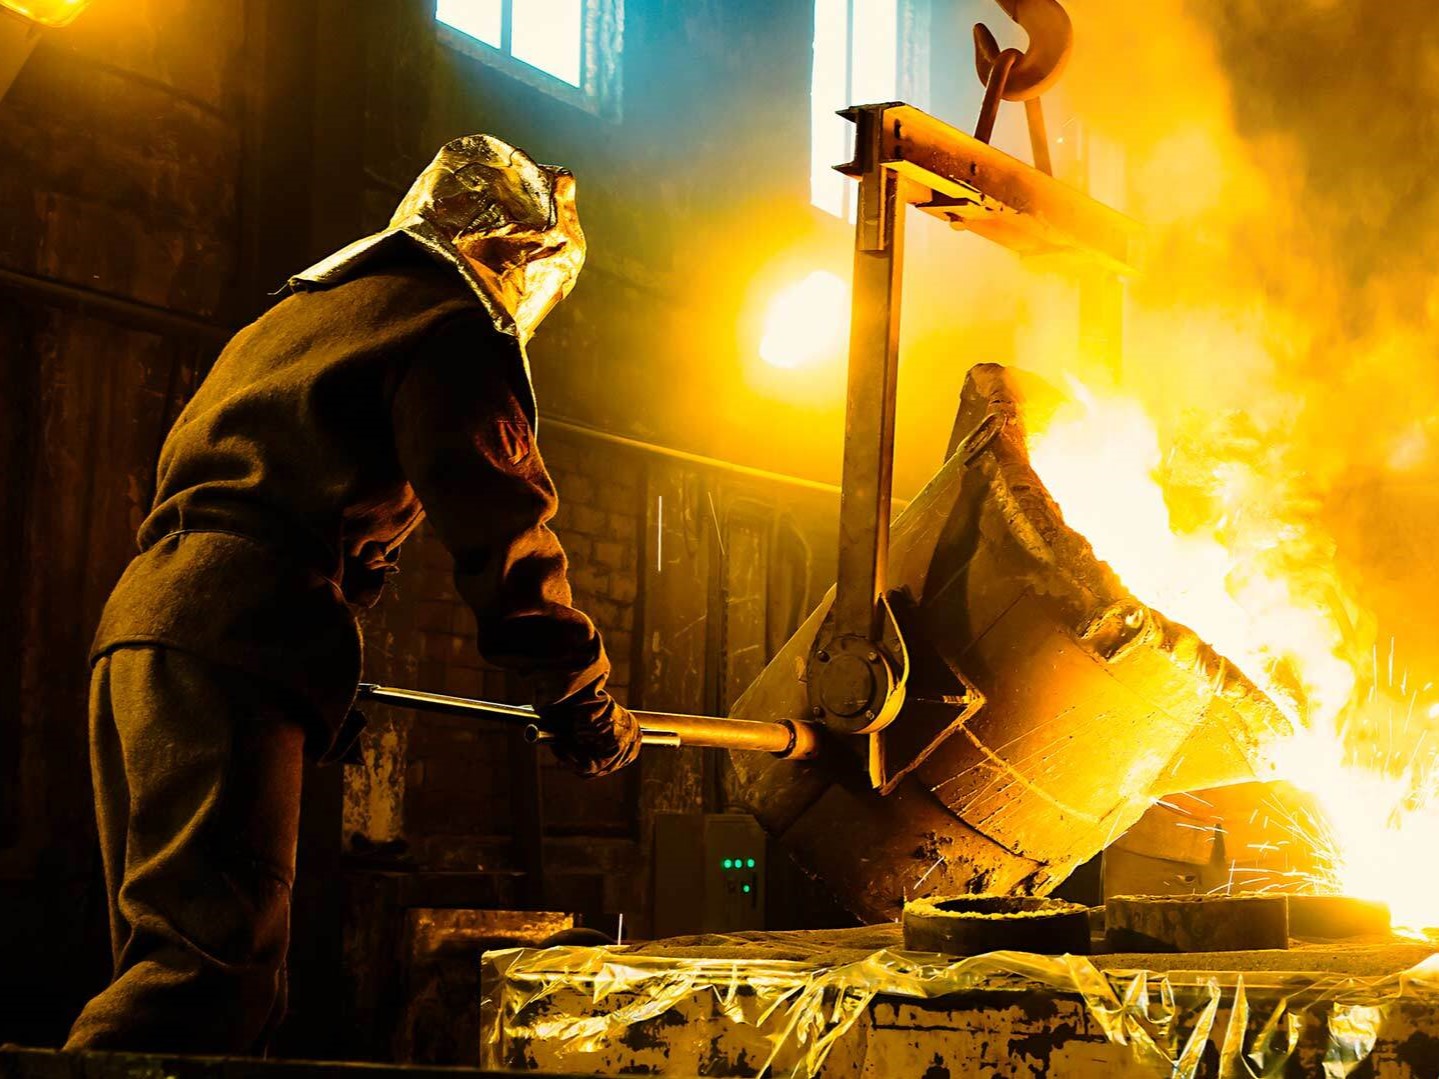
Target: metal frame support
[864,508]
[858,667]
[857,671]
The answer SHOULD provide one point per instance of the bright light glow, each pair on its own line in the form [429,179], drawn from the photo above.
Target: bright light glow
[874,54]
[549,34]
[1100,459]
[856,62]
[482,20]
[1360,754]
[1380,817]
[807,323]
[546,34]
[53,13]
[829,87]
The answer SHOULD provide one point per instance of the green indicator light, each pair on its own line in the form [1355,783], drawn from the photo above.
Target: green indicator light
[728,864]
[746,889]
[750,863]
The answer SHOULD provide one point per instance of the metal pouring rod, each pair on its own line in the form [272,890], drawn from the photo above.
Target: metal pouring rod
[784,739]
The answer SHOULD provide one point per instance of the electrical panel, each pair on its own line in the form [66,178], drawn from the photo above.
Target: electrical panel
[709,872]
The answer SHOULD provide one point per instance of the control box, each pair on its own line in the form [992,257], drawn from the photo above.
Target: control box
[709,872]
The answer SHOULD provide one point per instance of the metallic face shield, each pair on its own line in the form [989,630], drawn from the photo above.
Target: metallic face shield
[530,274]
[513,221]
[507,225]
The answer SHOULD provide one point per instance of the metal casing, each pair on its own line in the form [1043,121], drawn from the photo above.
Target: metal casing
[1094,703]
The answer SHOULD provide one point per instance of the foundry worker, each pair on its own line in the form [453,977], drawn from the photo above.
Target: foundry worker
[392,384]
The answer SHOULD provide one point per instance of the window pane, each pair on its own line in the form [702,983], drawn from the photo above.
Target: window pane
[829,134]
[480,19]
[549,34]
[875,75]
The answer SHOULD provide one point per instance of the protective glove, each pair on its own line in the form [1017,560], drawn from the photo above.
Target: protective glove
[593,742]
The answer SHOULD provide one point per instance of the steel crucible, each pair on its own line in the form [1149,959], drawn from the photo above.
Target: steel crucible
[1093,704]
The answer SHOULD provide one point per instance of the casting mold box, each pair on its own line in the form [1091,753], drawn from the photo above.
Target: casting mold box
[709,1011]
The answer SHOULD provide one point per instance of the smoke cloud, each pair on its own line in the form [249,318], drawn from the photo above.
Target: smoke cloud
[1284,158]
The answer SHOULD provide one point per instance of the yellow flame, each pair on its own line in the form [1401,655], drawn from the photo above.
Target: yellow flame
[1100,459]
[1360,754]
[1380,817]
[807,323]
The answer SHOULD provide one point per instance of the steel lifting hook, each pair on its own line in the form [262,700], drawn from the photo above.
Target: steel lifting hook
[1012,75]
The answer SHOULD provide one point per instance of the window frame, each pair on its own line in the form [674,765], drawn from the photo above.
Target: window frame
[914,19]
[599,91]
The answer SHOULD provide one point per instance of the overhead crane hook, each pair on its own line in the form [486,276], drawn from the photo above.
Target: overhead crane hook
[1014,75]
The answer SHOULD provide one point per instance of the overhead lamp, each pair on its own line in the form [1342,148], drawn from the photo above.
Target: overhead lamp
[21,23]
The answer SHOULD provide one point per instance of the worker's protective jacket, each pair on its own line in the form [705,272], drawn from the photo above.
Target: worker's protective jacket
[325,431]
[393,383]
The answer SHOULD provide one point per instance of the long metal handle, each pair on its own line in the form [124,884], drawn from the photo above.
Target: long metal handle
[788,739]
[868,468]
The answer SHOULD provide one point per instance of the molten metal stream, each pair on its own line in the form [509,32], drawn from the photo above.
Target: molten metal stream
[1227,579]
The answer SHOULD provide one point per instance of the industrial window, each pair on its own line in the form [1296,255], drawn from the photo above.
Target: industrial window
[865,51]
[569,48]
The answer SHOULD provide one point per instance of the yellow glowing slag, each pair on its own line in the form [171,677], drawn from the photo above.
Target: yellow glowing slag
[1360,747]
[807,323]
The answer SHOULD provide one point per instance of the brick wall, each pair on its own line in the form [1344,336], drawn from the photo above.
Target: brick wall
[600,522]
[443,789]
[742,562]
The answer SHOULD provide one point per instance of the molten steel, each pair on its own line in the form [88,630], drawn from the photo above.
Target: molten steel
[1359,751]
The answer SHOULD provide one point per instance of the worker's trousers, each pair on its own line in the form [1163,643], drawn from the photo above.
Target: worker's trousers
[197,797]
